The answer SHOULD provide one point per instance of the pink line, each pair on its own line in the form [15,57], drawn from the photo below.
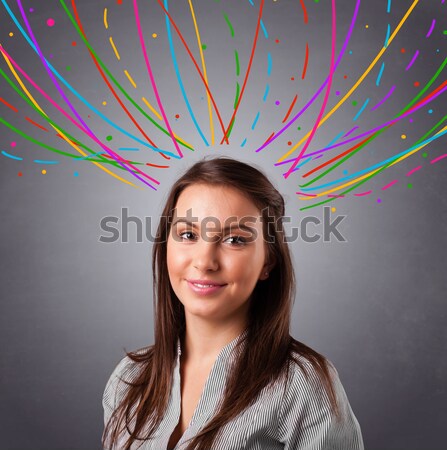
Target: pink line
[151,76]
[384,99]
[307,195]
[412,60]
[363,193]
[326,97]
[438,158]
[389,185]
[413,170]
[432,27]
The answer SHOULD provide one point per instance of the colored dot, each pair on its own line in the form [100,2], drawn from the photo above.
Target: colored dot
[354,103]
[333,209]
[430,111]
[109,138]
[44,171]
[277,102]
[50,22]
[299,128]
[11,34]
[345,172]
[444,32]
[13,144]
[177,116]
[76,174]
[337,92]
[292,78]
[424,155]
[345,76]
[104,103]
[416,83]
[154,35]
[411,120]
[277,41]
[68,68]
[203,46]
[74,44]
[350,52]
[316,1]
[366,26]
[378,200]
[19,174]
[409,185]
[402,50]
[119,2]
[404,136]
[51,55]
[289,143]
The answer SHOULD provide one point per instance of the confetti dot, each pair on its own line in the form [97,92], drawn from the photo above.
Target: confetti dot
[317,1]
[74,44]
[411,120]
[119,2]
[366,26]
[444,32]
[430,111]
[11,34]
[68,68]
[289,143]
[104,103]
[402,50]
[345,76]
[299,128]
[203,46]
[277,102]
[416,83]
[109,138]
[13,144]
[350,52]
[177,116]
[409,185]
[154,35]
[337,92]
[292,78]
[424,155]
[333,209]
[403,136]
[354,103]
[44,171]
[277,41]
[345,172]
[19,174]
[379,201]
[76,174]
[31,10]
[50,22]
[51,56]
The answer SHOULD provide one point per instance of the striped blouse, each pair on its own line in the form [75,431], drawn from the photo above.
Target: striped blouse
[292,417]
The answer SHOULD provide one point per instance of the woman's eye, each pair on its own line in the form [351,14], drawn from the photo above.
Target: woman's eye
[190,233]
[236,240]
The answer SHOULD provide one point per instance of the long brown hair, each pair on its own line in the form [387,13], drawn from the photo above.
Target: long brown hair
[270,349]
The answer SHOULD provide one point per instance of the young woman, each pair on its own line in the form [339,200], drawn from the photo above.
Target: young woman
[224,372]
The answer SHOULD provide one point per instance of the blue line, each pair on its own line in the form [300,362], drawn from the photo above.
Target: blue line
[379,77]
[361,110]
[179,78]
[18,158]
[267,89]
[266,35]
[251,2]
[68,86]
[41,161]
[269,68]
[255,121]
[302,164]
[336,138]
[388,30]
[244,142]
[80,158]
[129,149]
[378,165]
[388,8]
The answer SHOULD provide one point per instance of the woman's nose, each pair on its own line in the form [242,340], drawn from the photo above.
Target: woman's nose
[206,255]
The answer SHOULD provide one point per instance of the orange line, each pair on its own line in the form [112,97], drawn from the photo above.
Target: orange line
[268,139]
[290,109]
[306,18]
[8,105]
[36,124]
[306,60]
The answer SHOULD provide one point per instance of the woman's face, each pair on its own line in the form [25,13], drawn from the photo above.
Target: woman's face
[199,248]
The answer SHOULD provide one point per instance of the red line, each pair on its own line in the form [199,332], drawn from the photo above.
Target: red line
[247,73]
[268,139]
[290,109]
[196,66]
[8,105]
[306,61]
[157,166]
[306,18]
[36,124]
[78,20]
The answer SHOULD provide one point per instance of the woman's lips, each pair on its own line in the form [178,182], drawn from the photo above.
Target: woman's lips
[205,290]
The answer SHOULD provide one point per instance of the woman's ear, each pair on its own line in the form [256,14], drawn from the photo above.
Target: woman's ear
[266,269]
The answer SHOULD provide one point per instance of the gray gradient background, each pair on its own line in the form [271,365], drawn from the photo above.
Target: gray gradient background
[374,305]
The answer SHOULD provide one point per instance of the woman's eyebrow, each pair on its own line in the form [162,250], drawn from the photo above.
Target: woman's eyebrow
[240,225]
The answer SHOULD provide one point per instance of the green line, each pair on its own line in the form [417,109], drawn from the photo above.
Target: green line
[106,70]
[379,132]
[229,25]
[236,56]
[237,95]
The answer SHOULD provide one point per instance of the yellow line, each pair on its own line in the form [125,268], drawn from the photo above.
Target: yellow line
[11,68]
[348,94]
[130,78]
[105,18]
[114,48]
[199,42]
[374,171]
[151,108]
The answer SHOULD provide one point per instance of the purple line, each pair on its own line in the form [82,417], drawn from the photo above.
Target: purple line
[320,89]
[413,60]
[351,131]
[386,124]
[432,27]
[384,99]
[73,109]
